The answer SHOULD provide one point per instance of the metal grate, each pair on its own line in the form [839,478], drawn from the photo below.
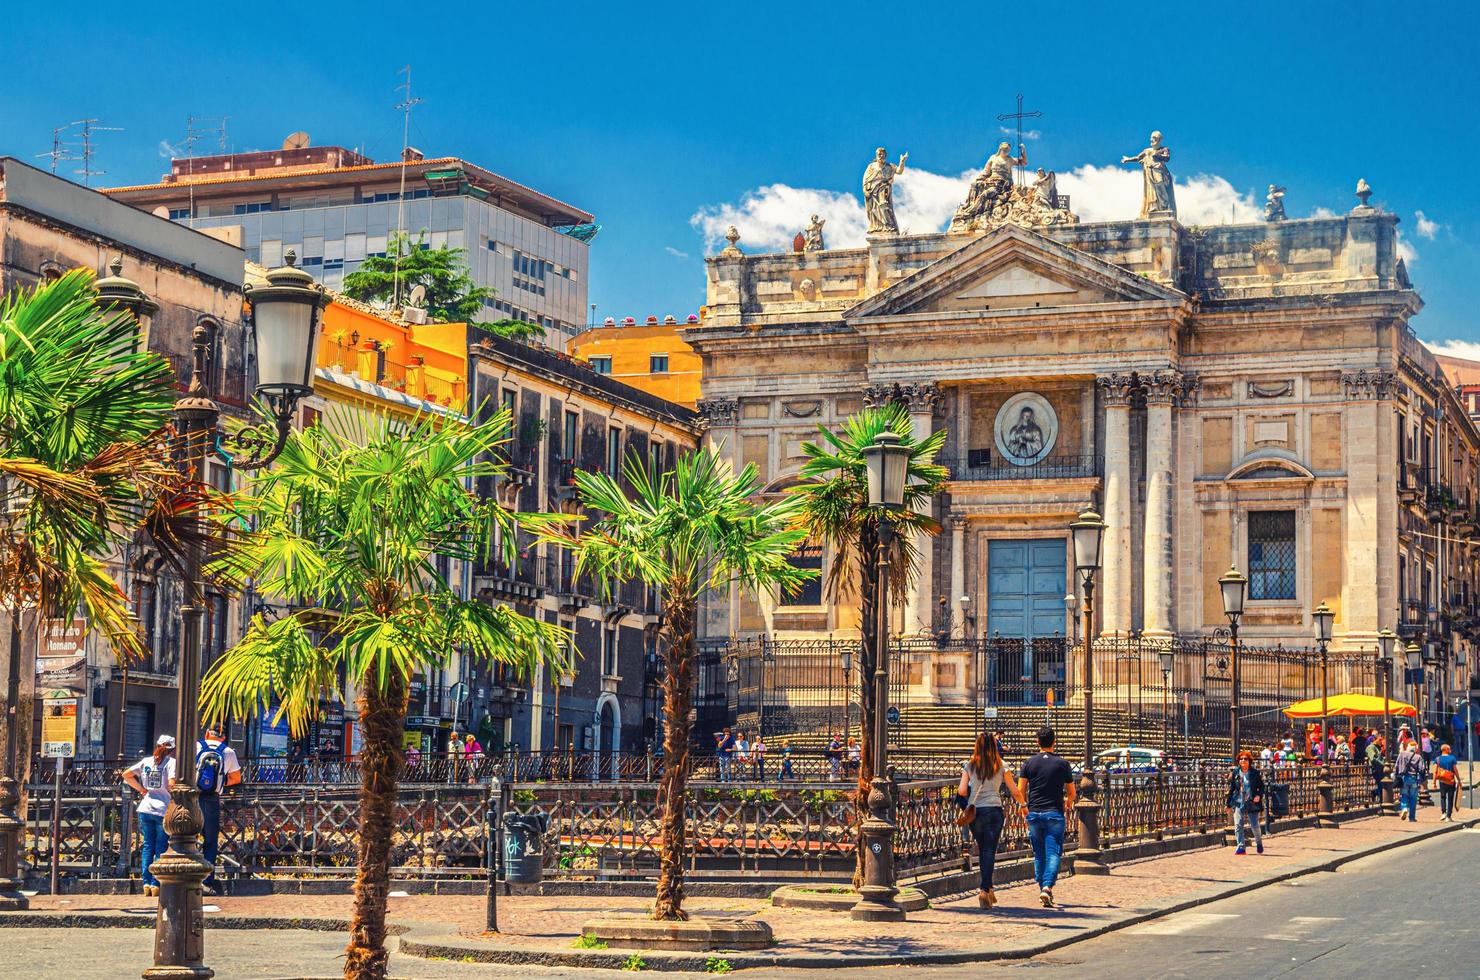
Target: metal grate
[1272,554]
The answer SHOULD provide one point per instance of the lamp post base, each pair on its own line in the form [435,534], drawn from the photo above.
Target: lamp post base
[1325,795]
[877,902]
[180,924]
[11,828]
[1088,858]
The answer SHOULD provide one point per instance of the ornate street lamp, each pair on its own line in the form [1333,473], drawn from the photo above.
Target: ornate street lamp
[846,659]
[887,461]
[285,315]
[1323,618]
[1088,533]
[1387,643]
[1233,586]
[1168,658]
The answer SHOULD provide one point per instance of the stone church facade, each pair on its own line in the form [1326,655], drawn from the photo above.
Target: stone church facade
[1246,395]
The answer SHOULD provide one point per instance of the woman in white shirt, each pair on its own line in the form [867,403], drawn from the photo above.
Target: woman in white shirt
[982,779]
[151,777]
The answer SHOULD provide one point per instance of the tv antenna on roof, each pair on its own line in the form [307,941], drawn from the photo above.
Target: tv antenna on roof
[90,126]
[61,150]
[406,104]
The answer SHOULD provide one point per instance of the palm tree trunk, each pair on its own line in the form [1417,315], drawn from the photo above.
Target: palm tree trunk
[868,608]
[383,717]
[678,685]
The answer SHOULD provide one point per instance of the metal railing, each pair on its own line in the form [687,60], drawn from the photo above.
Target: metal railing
[988,466]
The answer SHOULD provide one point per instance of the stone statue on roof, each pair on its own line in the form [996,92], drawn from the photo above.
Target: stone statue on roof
[1274,204]
[813,240]
[878,193]
[1158,200]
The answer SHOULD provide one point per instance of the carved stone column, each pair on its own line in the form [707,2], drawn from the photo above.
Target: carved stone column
[958,577]
[1158,554]
[922,400]
[1115,604]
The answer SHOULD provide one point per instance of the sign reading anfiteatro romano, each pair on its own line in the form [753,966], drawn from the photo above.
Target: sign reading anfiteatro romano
[59,728]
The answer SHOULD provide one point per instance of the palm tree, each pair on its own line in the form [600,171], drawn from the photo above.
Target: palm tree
[834,495]
[84,461]
[686,532]
[348,529]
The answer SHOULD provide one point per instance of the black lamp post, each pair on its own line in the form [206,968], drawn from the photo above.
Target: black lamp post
[1168,658]
[846,658]
[1233,586]
[1325,817]
[1088,533]
[1387,642]
[285,316]
[888,463]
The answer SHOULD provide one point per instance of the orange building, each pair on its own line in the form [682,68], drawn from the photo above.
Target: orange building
[650,356]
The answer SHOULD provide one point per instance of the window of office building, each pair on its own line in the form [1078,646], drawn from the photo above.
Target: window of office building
[658,363]
[601,365]
[613,451]
[1272,554]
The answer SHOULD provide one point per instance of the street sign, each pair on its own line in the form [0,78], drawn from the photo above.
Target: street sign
[989,713]
[892,715]
[59,728]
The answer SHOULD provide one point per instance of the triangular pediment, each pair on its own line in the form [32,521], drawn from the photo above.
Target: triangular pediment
[1012,268]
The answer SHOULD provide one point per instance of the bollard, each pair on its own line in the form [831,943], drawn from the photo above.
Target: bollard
[1326,816]
[1088,859]
[1387,788]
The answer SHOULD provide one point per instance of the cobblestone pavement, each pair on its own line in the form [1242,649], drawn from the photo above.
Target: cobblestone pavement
[950,924]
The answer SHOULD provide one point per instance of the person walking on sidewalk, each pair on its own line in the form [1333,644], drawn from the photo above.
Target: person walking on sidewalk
[1245,801]
[1376,768]
[1446,774]
[1047,782]
[1411,771]
[983,777]
[217,770]
[151,777]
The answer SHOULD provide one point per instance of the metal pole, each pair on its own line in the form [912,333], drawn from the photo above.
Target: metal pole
[1087,857]
[11,827]
[1233,708]
[495,846]
[179,925]
[877,902]
[56,826]
[1166,710]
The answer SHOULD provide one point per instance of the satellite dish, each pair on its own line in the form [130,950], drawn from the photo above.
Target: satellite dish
[161,212]
[296,141]
[417,296]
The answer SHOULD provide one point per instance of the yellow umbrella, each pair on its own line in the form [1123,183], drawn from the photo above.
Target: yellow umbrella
[1349,706]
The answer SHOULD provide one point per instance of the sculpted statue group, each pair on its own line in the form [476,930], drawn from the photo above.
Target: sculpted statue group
[996,198]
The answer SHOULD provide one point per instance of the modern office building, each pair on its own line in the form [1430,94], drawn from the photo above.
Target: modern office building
[335,207]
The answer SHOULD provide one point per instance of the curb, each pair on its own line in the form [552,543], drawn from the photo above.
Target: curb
[428,942]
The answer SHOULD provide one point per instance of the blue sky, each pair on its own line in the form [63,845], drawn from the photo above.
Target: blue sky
[653,117]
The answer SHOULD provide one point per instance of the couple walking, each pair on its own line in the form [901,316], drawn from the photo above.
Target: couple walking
[1045,788]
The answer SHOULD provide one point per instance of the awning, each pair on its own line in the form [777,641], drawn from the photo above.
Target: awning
[1349,706]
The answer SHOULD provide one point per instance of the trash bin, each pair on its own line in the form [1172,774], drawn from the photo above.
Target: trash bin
[1279,799]
[524,847]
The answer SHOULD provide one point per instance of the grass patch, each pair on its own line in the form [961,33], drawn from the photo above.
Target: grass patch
[634,963]
[587,941]
[717,964]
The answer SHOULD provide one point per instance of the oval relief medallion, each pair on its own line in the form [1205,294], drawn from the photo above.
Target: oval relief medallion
[1026,428]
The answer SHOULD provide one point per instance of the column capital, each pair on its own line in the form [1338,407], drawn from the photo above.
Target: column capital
[1163,387]
[923,397]
[718,411]
[957,523]
[1118,389]
[1369,384]
[879,395]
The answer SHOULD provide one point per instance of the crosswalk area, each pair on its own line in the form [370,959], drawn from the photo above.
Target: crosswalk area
[1295,929]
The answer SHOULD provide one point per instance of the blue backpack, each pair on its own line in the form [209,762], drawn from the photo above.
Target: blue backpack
[210,765]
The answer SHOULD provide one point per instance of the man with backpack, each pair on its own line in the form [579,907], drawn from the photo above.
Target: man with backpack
[217,769]
[1411,770]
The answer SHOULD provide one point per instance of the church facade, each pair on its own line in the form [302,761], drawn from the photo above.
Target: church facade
[1240,395]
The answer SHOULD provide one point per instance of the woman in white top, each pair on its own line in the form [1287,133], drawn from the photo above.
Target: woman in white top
[982,780]
[151,777]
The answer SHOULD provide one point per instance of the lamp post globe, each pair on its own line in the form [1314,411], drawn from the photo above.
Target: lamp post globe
[1088,532]
[287,315]
[887,461]
[1233,585]
[118,292]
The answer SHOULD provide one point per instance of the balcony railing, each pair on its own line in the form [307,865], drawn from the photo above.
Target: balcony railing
[990,466]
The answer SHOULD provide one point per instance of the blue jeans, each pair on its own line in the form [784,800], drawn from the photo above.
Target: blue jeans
[1409,798]
[153,842]
[1242,816]
[987,829]
[1046,831]
[724,767]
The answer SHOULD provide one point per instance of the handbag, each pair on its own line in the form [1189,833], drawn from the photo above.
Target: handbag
[1444,775]
[966,817]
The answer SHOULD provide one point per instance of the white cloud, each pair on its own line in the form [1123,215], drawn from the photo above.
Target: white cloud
[1467,349]
[1322,213]
[1028,134]
[769,217]
[1426,228]
[675,252]
[1406,251]
[168,150]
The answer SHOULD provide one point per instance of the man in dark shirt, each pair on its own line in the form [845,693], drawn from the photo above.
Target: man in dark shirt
[1048,783]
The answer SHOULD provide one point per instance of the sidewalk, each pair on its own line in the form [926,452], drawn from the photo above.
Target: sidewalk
[542,929]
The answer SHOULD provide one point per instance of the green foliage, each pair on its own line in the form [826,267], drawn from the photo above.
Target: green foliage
[347,533]
[716,964]
[524,796]
[84,462]
[687,531]
[819,800]
[634,963]
[588,940]
[754,795]
[451,294]
[834,493]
